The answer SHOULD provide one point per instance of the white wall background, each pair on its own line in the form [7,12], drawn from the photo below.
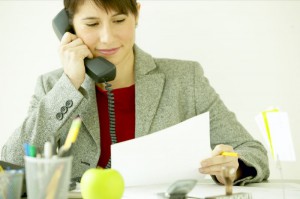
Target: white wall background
[250,51]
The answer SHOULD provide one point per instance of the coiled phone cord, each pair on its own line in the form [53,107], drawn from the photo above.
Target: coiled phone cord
[112,119]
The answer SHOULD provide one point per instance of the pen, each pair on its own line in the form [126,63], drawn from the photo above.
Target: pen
[48,150]
[26,149]
[30,150]
[232,154]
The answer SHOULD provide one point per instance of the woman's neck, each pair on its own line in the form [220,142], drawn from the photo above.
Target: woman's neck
[125,73]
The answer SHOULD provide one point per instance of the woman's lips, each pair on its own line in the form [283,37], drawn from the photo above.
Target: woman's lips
[110,51]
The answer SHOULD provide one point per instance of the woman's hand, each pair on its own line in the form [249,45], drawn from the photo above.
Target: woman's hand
[215,164]
[72,53]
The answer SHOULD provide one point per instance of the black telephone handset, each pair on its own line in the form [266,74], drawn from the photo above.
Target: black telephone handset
[99,69]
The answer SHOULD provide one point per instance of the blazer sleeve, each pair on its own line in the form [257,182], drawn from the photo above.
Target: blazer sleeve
[225,129]
[42,121]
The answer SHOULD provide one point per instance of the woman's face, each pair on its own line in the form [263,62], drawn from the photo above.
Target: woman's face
[107,34]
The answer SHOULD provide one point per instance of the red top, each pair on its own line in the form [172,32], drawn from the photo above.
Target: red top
[124,116]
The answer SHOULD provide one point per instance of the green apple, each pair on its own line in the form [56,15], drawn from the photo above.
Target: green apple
[98,183]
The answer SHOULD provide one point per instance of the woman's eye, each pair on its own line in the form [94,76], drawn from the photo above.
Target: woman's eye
[119,21]
[92,24]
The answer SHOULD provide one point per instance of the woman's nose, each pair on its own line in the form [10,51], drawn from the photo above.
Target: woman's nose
[105,33]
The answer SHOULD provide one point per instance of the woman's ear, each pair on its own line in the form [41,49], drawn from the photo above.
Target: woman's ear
[138,6]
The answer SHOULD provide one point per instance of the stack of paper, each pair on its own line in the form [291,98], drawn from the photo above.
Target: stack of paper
[275,129]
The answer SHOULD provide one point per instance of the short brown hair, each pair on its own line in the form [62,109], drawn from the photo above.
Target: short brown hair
[120,6]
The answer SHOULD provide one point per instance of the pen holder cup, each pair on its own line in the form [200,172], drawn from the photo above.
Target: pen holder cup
[11,184]
[48,178]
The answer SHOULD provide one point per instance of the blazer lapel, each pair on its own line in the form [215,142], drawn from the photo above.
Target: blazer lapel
[149,88]
[89,113]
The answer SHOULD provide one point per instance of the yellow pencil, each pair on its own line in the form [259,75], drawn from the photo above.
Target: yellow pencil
[73,132]
[53,184]
[232,154]
[71,138]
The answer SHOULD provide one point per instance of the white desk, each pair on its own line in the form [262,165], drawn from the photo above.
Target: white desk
[266,190]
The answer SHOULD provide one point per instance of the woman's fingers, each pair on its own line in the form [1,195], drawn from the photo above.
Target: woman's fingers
[221,148]
[217,160]
[214,166]
[73,51]
[67,38]
[78,52]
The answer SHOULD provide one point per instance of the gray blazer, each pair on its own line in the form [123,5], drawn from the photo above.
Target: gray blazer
[167,92]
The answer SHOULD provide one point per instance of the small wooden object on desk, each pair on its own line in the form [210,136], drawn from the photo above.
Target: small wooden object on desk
[229,176]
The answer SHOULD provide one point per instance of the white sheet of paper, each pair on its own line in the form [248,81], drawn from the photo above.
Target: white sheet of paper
[164,156]
[280,134]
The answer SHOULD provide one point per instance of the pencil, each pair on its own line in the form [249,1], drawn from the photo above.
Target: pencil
[71,138]
[73,132]
[232,154]
[53,184]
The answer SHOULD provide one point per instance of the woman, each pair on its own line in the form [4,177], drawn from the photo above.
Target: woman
[150,94]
